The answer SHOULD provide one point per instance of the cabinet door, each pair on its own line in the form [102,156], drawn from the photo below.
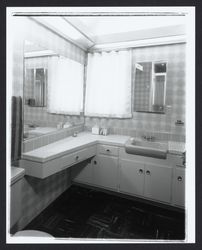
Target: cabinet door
[158,180]
[83,172]
[105,171]
[131,177]
[179,187]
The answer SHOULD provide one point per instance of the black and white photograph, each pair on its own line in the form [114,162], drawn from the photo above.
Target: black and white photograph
[100,125]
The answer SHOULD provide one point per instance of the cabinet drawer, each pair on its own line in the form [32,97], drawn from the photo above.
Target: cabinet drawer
[43,170]
[108,150]
[78,156]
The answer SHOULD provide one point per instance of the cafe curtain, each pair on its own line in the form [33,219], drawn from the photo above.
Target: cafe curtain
[108,86]
[65,86]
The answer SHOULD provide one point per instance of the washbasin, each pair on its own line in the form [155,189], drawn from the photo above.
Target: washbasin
[146,148]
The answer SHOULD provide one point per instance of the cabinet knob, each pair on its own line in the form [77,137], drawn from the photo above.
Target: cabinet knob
[95,162]
[179,178]
[108,150]
[148,172]
[140,171]
[76,158]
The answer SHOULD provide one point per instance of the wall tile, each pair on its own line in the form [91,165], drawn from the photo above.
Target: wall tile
[37,194]
[175,95]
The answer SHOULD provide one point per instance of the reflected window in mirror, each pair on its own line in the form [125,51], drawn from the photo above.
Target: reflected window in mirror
[159,86]
[36,85]
[150,87]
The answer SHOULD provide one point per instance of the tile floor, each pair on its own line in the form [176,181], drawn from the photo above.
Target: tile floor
[85,213]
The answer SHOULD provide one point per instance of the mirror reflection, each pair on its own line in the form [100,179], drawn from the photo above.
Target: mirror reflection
[150,87]
[39,119]
[36,79]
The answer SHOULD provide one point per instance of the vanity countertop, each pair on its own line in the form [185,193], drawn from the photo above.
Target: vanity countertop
[70,144]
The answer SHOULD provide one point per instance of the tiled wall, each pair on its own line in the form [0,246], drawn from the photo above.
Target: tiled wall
[160,125]
[41,141]
[142,87]
[27,29]
[36,193]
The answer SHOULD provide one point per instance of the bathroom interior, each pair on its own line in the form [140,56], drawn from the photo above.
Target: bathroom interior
[98,126]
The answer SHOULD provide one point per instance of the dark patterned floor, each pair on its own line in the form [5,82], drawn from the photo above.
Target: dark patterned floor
[85,213]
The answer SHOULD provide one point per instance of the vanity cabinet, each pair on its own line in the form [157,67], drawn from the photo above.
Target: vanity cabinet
[108,166]
[131,177]
[49,167]
[101,171]
[150,181]
[105,167]
[158,182]
[178,194]
[105,171]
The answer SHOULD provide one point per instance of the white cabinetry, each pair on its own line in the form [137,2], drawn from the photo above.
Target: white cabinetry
[179,187]
[158,181]
[106,171]
[105,167]
[151,181]
[131,177]
[147,177]
[44,169]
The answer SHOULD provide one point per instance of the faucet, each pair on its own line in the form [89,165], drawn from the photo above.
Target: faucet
[148,137]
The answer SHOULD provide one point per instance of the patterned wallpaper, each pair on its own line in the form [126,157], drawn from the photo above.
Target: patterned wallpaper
[162,125]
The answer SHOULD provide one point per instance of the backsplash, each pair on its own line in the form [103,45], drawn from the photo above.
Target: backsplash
[41,141]
[160,125]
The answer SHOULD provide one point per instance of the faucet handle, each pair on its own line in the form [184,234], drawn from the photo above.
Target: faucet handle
[148,137]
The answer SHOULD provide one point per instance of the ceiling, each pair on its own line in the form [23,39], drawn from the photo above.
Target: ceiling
[91,32]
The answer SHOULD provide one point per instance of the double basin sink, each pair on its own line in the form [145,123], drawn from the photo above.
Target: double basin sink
[146,148]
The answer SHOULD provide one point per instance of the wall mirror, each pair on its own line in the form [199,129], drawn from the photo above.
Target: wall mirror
[37,120]
[150,87]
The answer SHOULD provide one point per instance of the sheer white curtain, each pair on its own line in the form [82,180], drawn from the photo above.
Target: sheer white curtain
[65,86]
[108,86]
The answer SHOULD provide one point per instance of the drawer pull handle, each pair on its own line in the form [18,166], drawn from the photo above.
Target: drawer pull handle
[76,158]
[108,150]
[95,162]
[179,178]
[148,172]
[140,171]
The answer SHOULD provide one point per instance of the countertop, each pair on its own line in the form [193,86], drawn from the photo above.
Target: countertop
[70,144]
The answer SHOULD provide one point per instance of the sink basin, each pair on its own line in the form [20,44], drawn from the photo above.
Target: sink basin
[146,148]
